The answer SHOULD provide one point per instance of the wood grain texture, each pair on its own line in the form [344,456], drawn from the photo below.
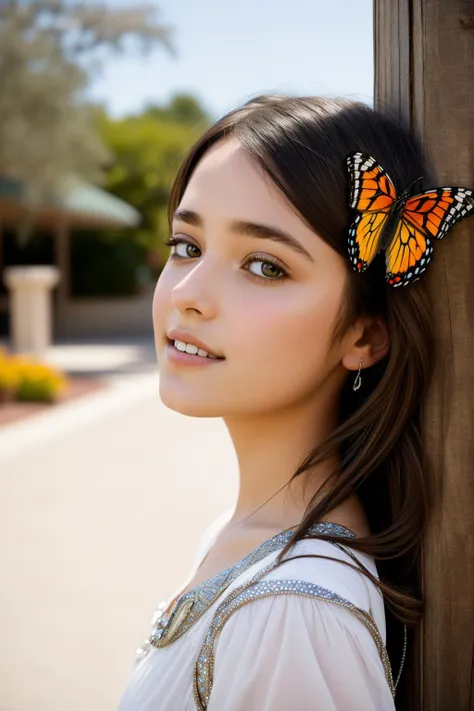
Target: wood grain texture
[424,70]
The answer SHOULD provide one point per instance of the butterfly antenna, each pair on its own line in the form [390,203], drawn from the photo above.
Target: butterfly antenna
[412,184]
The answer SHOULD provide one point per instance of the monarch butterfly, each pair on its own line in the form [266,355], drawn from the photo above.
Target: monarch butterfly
[402,226]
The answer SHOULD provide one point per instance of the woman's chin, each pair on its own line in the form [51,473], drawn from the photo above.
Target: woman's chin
[185,404]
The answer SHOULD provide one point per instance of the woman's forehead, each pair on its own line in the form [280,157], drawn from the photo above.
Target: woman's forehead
[228,181]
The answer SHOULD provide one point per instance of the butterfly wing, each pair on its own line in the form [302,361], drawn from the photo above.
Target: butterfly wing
[427,215]
[371,188]
[424,216]
[373,194]
[436,211]
[364,238]
[407,255]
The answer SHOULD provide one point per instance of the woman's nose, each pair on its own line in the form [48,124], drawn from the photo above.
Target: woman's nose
[197,291]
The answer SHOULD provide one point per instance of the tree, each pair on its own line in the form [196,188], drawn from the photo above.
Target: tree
[146,151]
[424,63]
[49,51]
[183,109]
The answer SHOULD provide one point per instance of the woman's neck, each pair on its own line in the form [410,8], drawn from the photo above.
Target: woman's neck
[269,449]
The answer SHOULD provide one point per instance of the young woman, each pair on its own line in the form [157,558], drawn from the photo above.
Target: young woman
[306,594]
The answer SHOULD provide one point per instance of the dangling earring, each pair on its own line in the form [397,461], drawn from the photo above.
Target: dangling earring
[358,379]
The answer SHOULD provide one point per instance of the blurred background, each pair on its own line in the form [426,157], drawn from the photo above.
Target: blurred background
[104,492]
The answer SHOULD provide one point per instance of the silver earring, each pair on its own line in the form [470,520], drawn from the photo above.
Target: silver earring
[358,379]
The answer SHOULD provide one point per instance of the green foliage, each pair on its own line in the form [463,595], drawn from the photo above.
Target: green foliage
[49,51]
[182,109]
[148,149]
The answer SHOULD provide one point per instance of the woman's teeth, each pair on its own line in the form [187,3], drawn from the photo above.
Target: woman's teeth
[192,349]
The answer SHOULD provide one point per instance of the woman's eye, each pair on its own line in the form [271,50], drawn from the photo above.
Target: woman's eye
[267,269]
[187,247]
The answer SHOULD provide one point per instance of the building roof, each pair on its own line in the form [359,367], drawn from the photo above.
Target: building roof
[77,200]
[79,197]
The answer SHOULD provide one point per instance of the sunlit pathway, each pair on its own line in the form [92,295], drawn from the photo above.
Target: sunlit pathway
[102,504]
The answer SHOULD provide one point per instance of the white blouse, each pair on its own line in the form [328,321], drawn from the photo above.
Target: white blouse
[283,652]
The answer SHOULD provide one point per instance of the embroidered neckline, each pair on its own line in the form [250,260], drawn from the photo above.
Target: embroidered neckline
[324,527]
[191,605]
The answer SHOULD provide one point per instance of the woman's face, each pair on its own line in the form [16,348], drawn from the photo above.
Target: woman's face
[255,284]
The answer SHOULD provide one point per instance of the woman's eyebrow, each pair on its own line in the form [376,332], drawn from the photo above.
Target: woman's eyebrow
[249,229]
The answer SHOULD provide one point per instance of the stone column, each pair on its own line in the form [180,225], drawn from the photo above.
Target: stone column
[30,307]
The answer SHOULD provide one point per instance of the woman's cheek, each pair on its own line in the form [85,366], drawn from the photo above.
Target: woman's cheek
[291,345]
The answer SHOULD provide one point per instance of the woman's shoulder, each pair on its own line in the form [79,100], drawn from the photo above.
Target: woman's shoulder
[322,571]
[334,576]
[278,636]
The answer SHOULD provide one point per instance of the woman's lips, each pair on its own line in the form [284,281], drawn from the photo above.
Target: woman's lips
[183,358]
[187,337]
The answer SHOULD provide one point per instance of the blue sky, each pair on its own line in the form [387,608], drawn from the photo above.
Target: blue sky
[229,51]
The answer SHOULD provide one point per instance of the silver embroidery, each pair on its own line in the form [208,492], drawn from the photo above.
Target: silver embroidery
[191,606]
[204,667]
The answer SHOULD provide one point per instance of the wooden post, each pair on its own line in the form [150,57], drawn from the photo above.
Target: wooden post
[424,69]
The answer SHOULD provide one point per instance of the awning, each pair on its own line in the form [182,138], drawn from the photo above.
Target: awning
[80,202]
[84,199]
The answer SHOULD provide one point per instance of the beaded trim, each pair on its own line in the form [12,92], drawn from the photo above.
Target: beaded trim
[253,590]
[192,605]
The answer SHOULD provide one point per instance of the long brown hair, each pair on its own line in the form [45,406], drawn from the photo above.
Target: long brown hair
[302,144]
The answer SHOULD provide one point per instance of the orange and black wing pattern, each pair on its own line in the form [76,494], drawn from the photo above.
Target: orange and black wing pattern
[436,211]
[423,217]
[371,187]
[427,215]
[407,255]
[372,193]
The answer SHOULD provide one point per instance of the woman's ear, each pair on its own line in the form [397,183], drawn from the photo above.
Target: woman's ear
[371,346]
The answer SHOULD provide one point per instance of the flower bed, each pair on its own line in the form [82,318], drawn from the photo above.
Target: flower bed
[28,387]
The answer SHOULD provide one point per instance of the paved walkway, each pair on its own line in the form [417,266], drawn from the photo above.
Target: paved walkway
[102,503]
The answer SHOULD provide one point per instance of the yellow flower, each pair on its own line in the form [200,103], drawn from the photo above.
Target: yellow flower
[38,381]
[8,375]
